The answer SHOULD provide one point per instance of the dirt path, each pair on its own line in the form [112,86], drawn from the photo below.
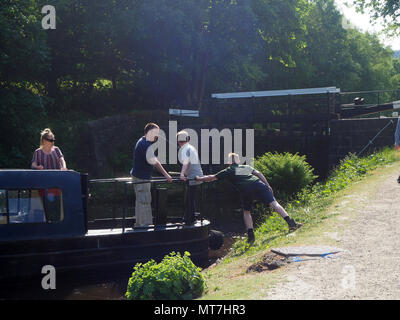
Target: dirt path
[369,229]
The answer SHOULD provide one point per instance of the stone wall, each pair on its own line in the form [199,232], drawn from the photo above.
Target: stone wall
[112,140]
[352,135]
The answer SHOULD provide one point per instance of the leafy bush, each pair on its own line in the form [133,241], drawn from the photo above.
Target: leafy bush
[174,278]
[287,173]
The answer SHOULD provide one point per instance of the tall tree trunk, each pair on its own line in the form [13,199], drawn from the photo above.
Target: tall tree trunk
[203,80]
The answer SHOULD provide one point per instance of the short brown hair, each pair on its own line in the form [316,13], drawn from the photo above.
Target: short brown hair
[150,126]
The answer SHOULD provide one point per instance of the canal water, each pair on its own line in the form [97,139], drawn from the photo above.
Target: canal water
[102,285]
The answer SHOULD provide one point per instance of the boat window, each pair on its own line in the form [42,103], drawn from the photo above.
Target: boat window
[3,207]
[54,205]
[31,206]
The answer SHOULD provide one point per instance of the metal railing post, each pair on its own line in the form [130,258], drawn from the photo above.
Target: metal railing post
[124,209]
[128,181]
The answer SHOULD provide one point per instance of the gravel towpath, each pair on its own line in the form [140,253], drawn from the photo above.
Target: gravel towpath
[370,235]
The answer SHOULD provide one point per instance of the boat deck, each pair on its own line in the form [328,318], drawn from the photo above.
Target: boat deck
[168,226]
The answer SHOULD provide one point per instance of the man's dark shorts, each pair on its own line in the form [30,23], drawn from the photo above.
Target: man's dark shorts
[256,191]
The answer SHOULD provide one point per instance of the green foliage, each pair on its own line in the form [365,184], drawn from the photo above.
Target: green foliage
[21,113]
[287,173]
[350,169]
[24,55]
[112,57]
[174,278]
[23,64]
[386,9]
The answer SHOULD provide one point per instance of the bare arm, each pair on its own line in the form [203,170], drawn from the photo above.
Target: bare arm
[161,169]
[208,178]
[35,166]
[183,171]
[63,164]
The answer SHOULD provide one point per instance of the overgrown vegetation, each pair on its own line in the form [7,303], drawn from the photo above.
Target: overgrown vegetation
[174,278]
[281,168]
[307,205]
[115,57]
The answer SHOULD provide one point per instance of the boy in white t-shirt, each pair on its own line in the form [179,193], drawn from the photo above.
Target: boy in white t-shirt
[191,168]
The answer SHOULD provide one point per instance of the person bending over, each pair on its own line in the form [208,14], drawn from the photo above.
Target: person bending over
[251,185]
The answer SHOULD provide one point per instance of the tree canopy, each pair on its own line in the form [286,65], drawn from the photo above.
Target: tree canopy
[109,57]
[388,10]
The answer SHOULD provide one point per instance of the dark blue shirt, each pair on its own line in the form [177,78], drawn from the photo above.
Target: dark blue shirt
[141,168]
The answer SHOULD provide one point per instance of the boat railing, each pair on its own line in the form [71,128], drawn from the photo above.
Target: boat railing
[127,181]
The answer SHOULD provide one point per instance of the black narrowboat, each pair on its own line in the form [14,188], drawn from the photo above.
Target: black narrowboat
[44,221]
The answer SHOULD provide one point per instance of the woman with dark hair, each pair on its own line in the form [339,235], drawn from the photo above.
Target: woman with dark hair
[48,156]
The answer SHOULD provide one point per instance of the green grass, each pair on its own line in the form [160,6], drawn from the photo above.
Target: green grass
[312,207]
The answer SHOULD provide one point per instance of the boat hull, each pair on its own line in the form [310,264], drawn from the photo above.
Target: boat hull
[102,248]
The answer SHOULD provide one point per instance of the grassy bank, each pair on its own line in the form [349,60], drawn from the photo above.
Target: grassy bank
[313,207]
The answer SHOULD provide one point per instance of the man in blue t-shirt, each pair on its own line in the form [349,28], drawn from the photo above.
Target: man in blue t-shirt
[144,161]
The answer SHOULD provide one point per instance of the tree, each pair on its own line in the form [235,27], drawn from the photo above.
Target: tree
[23,62]
[388,10]
[186,50]
[281,27]
[91,56]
